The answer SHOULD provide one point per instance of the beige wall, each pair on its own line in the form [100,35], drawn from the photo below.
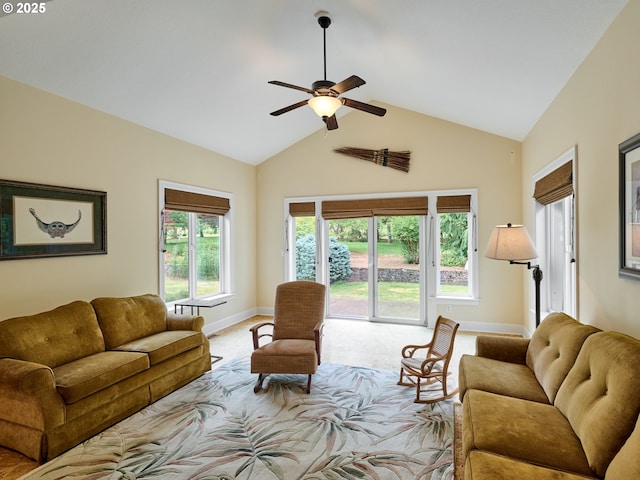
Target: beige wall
[597,109]
[47,139]
[444,156]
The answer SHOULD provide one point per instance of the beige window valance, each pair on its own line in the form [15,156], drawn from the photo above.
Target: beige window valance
[555,186]
[454,204]
[386,207]
[302,209]
[195,202]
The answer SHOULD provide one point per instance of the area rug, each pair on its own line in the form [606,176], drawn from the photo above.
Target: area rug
[356,424]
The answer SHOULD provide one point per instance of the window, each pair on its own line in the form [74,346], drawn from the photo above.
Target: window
[454,252]
[302,218]
[194,238]
[554,198]
[370,252]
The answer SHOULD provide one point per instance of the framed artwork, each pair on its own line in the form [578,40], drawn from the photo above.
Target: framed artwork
[50,221]
[629,157]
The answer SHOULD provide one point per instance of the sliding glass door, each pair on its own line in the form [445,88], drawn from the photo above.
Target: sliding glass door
[397,267]
[386,258]
[374,266]
[348,264]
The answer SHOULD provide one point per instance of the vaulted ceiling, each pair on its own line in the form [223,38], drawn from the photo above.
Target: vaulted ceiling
[198,69]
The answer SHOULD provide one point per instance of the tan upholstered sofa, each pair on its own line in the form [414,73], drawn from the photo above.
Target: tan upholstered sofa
[562,405]
[71,372]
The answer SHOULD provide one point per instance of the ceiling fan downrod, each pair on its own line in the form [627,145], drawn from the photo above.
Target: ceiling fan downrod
[324,21]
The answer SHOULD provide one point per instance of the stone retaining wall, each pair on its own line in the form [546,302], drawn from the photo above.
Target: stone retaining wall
[448,276]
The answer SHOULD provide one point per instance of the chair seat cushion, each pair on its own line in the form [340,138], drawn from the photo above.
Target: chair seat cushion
[504,378]
[85,376]
[487,466]
[414,365]
[529,431]
[164,345]
[285,356]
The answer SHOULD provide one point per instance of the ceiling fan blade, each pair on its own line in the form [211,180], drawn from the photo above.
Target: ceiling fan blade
[289,108]
[365,107]
[348,84]
[288,85]
[332,122]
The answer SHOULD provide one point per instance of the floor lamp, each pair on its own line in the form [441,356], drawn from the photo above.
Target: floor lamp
[512,243]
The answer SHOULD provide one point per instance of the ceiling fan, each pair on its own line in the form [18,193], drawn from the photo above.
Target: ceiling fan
[326,98]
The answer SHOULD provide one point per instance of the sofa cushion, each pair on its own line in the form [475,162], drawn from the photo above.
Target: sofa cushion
[85,376]
[601,395]
[123,320]
[553,349]
[52,338]
[529,431]
[488,466]
[489,375]
[164,345]
[626,463]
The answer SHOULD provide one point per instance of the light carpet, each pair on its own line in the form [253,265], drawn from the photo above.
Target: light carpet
[356,424]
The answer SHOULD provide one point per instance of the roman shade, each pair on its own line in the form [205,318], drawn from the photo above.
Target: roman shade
[555,186]
[386,207]
[195,202]
[302,209]
[454,204]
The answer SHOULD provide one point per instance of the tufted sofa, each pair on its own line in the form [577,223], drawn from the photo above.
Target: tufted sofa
[562,405]
[71,372]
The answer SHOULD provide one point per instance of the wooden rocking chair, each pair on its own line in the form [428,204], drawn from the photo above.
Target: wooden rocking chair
[429,374]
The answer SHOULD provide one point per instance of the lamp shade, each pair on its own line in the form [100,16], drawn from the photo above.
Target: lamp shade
[510,242]
[325,105]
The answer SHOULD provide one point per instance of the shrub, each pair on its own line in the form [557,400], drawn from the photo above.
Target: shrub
[306,258]
[339,259]
[208,260]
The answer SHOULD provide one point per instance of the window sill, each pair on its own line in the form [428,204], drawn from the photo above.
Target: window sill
[454,300]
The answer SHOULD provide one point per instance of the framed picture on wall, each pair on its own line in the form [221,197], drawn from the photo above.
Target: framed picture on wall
[51,221]
[629,158]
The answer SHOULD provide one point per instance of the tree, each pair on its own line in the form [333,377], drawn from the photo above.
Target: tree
[406,231]
[454,240]
[349,229]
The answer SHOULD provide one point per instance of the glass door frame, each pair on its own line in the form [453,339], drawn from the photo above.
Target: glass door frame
[373,276]
[322,264]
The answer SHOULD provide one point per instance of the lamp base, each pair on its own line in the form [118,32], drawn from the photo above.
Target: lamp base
[537,279]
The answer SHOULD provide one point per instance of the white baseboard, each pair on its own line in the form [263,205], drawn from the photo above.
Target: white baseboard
[265,311]
[480,327]
[213,327]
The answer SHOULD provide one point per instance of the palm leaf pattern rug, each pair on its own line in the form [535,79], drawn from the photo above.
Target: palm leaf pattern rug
[356,424]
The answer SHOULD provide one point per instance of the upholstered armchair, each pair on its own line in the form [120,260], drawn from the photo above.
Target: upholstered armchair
[295,333]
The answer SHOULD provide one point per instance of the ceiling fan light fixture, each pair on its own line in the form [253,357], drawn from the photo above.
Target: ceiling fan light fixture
[325,105]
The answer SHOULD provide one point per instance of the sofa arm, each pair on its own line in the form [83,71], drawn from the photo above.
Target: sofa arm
[504,349]
[177,321]
[28,395]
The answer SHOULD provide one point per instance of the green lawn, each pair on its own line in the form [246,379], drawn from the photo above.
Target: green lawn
[176,288]
[383,248]
[402,292]
[176,282]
